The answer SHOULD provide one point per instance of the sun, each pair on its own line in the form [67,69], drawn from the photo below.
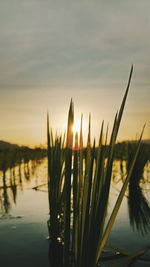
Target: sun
[77,125]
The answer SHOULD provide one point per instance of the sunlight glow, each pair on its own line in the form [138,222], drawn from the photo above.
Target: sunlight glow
[76,127]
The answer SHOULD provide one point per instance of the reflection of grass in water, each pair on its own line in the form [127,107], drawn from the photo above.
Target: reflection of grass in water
[81,224]
[139,210]
[12,163]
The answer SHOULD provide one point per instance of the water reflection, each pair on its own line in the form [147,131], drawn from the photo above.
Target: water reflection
[139,210]
[55,254]
[16,165]
[14,172]
[5,198]
[137,194]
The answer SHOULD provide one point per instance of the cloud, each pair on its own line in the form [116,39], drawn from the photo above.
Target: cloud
[47,42]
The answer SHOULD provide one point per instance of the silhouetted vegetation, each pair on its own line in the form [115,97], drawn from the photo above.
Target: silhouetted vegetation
[79,184]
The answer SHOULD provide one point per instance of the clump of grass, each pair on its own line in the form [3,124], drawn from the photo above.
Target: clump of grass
[56,158]
[83,188]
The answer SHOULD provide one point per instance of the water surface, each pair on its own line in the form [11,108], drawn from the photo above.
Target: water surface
[24,213]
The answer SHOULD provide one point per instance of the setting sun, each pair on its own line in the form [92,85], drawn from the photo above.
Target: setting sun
[76,127]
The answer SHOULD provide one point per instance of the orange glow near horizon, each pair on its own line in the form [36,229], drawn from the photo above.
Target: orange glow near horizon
[35,136]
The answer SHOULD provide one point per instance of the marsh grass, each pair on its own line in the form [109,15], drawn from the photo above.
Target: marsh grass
[79,184]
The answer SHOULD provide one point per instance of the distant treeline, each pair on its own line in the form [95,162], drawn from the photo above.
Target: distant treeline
[12,155]
[123,149]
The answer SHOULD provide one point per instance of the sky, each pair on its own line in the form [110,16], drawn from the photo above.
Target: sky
[52,51]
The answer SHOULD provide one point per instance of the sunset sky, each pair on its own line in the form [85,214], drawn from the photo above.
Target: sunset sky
[52,51]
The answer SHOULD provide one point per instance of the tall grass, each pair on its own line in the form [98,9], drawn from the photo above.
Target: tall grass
[83,188]
[55,181]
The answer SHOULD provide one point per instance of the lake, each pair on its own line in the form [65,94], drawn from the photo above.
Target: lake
[24,211]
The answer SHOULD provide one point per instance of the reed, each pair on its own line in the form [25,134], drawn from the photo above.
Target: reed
[55,181]
[83,188]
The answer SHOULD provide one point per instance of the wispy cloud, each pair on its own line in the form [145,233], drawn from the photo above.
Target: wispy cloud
[49,41]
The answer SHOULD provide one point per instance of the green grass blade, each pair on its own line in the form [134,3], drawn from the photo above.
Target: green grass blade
[67,186]
[117,205]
